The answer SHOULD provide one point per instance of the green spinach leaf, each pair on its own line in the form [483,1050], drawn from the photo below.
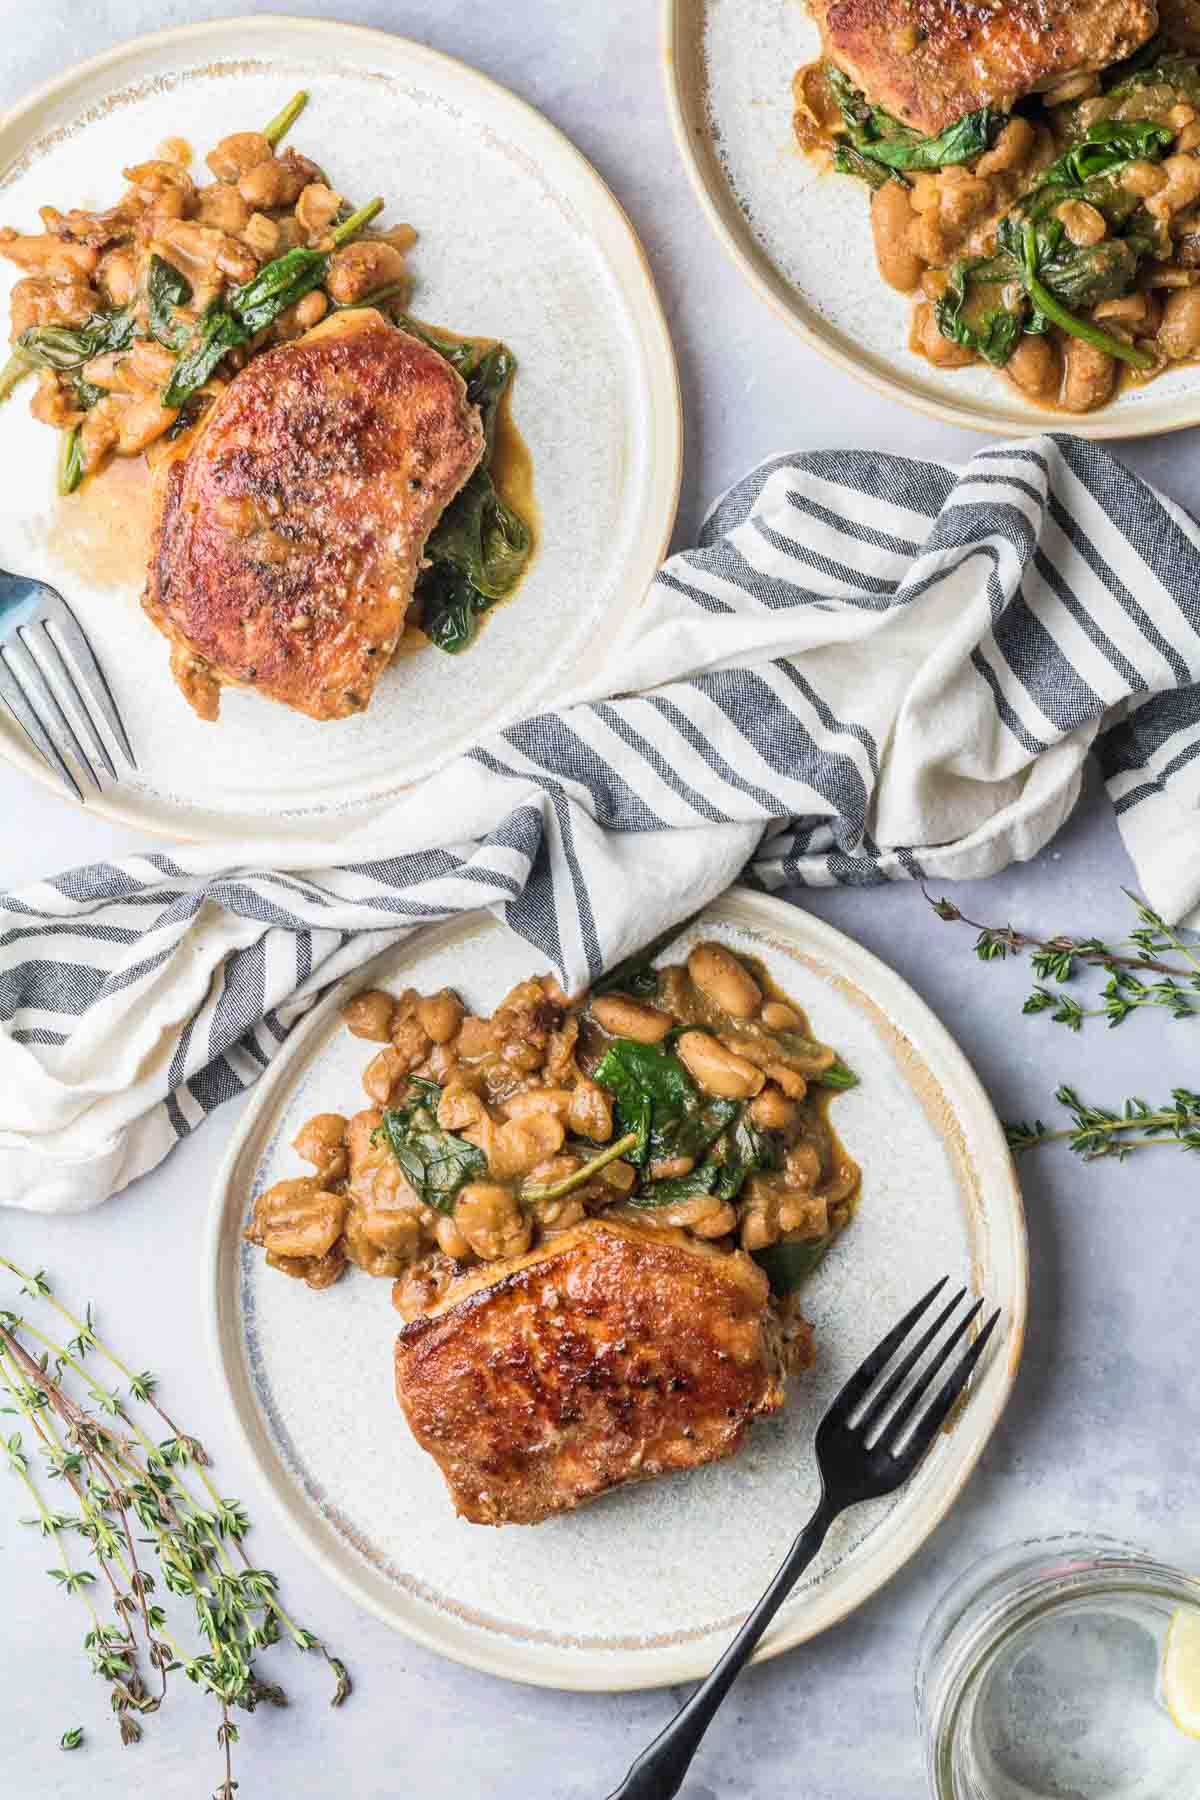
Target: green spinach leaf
[743,1151]
[654,1095]
[461,353]
[70,460]
[479,547]
[879,138]
[698,1129]
[988,320]
[451,606]
[66,347]
[487,385]
[1108,146]
[436,1163]
[790,1262]
[482,538]
[849,161]
[1081,275]
[217,331]
[166,288]
[278,285]
[836,1076]
[738,1148]
[702,1180]
[1057,275]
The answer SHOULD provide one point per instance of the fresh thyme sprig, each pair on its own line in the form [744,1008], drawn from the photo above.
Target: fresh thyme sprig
[121,1478]
[1096,1131]
[1127,964]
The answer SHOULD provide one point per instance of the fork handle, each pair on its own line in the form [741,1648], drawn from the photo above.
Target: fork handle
[659,1771]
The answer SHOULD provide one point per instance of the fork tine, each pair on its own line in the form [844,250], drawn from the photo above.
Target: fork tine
[888,1393]
[892,1432]
[868,1371]
[939,1411]
[13,695]
[55,608]
[61,669]
[28,671]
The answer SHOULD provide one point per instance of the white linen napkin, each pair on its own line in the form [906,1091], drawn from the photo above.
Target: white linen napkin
[870,669]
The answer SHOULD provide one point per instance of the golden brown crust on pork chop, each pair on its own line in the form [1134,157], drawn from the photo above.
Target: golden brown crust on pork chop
[288,539]
[610,1354]
[930,61]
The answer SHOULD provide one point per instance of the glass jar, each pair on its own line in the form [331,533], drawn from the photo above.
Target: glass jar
[1039,1677]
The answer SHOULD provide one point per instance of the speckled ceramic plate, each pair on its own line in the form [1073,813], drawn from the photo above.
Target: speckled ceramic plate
[645,1585]
[802,236]
[519,239]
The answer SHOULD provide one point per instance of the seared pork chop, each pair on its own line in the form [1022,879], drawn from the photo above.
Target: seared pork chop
[930,61]
[288,539]
[609,1354]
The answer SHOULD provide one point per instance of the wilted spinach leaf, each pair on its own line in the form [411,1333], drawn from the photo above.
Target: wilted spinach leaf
[1082,275]
[65,347]
[879,138]
[836,1076]
[654,1095]
[1108,145]
[987,319]
[479,547]
[487,384]
[451,607]
[791,1261]
[461,353]
[278,285]
[849,161]
[166,288]
[482,537]
[436,1163]
[702,1180]
[742,1151]
[216,332]
[697,1130]
[739,1150]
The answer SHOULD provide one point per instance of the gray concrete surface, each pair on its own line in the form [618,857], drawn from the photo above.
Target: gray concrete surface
[1103,1431]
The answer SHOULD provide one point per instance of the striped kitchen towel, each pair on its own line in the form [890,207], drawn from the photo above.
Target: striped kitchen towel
[870,669]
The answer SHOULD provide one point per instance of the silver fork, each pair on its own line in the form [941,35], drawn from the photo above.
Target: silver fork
[863,1452]
[36,627]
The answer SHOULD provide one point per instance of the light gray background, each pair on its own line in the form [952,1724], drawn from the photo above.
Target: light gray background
[1102,1432]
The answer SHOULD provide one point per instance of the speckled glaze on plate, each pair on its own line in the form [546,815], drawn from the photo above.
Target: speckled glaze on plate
[519,239]
[801,235]
[644,1586]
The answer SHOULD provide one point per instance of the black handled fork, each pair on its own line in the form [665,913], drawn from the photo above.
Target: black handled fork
[861,1455]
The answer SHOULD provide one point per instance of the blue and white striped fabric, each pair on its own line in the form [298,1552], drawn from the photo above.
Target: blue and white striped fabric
[870,669]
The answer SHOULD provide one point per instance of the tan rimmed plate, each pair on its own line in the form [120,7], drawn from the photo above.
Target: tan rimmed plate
[644,1586]
[519,239]
[801,235]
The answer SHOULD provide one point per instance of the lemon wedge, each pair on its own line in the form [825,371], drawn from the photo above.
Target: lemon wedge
[1181,1670]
